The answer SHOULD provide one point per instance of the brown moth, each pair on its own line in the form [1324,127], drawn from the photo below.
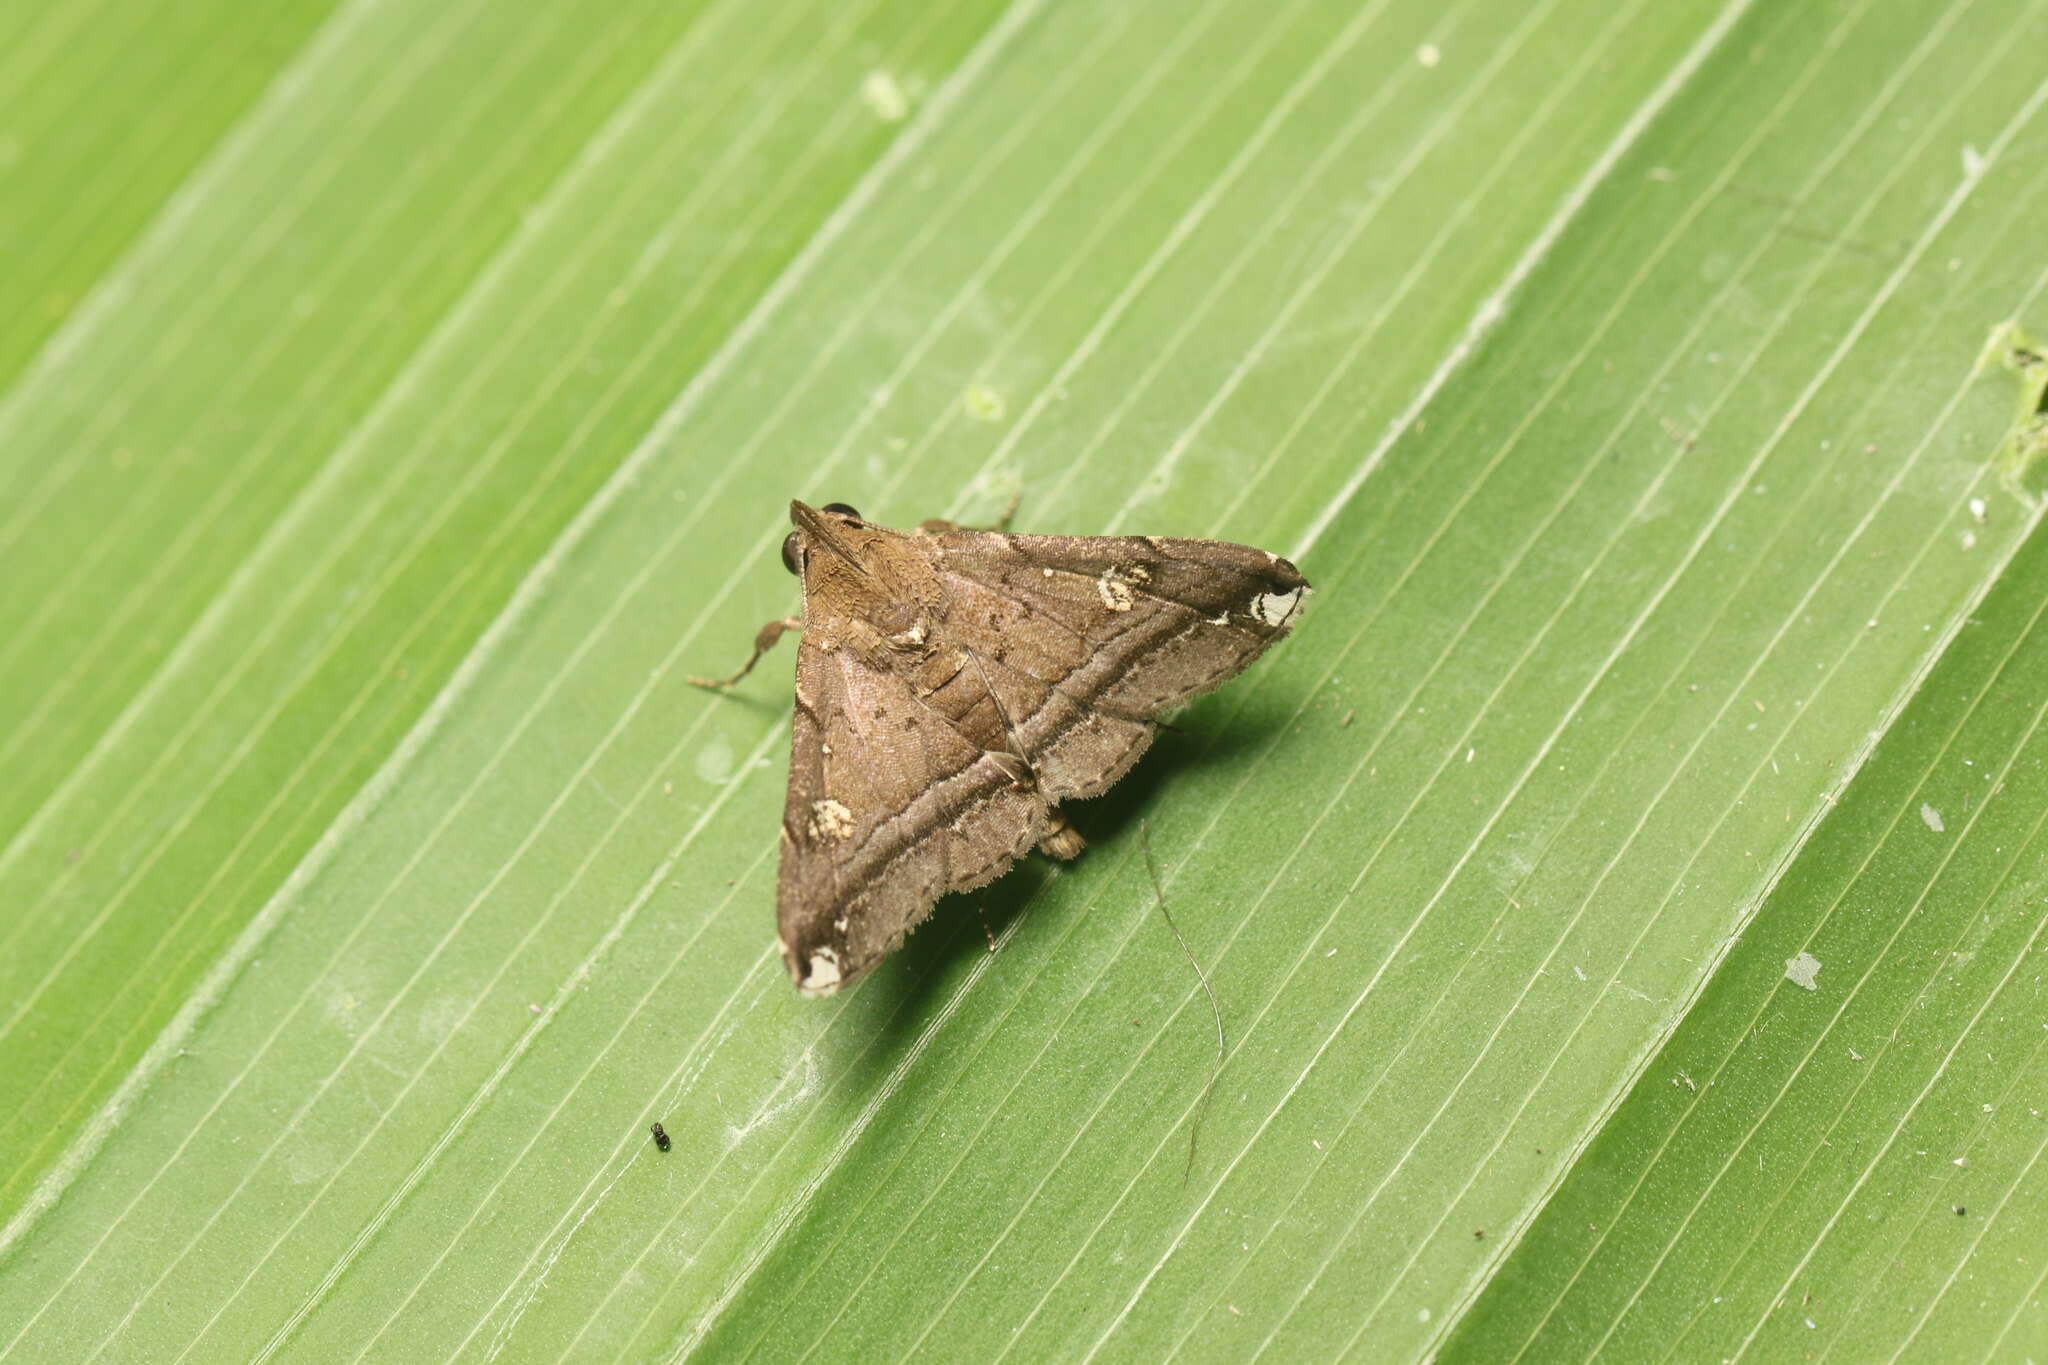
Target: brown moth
[954,686]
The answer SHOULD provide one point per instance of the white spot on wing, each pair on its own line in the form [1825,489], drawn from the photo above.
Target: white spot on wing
[1115,592]
[1274,608]
[823,974]
[830,820]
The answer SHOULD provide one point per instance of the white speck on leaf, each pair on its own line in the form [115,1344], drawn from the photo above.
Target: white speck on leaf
[885,95]
[984,404]
[1801,970]
[714,761]
[1932,818]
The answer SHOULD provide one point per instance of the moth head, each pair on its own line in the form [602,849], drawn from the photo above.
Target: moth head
[792,544]
[864,584]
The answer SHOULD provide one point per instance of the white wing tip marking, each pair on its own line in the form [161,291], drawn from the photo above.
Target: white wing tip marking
[822,976]
[1276,608]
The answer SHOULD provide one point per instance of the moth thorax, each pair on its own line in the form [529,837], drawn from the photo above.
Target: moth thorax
[903,624]
[911,638]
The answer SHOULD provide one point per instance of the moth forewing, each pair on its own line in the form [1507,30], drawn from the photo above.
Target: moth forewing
[952,688]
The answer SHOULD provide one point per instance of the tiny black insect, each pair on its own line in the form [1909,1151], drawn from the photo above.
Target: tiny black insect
[660,1137]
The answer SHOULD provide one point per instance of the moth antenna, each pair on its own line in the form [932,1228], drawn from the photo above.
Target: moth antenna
[980,908]
[831,543]
[1222,1043]
[1016,744]
[1061,840]
[932,526]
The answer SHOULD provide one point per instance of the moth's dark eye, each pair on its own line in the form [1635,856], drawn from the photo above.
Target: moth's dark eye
[789,553]
[840,509]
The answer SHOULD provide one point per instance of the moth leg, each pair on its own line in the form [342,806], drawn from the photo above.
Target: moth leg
[935,525]
[1061,839]
[763,642]
[982,910]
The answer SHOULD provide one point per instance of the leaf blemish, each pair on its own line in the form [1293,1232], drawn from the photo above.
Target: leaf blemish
[984,404]
[1802,970]
[885,96]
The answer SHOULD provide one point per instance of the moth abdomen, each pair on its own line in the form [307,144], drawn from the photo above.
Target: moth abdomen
[1061,839]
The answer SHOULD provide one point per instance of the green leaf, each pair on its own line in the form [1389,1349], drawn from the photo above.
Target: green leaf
[1618,374]
[1840,1148]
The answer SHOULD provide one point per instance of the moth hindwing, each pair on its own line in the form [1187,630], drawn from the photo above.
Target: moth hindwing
[953,687]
